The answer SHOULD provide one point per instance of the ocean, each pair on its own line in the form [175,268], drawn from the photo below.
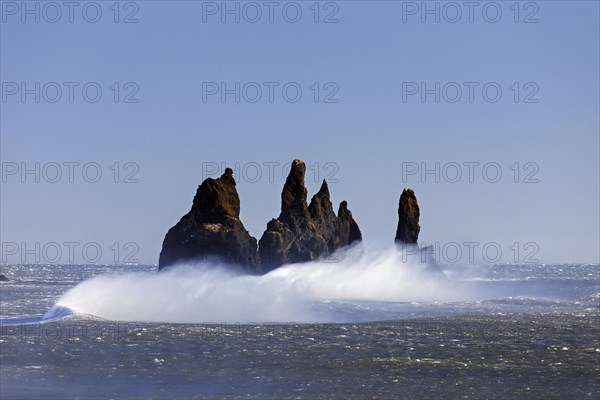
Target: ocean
[364,327]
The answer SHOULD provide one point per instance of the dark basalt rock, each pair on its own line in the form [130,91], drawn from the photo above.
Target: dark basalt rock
[348,226]
[302,232]
[305,232]
[3,278]
[212,229]
[408,218]
[407,234]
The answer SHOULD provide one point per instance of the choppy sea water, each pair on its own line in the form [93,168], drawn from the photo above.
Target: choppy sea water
[309,331]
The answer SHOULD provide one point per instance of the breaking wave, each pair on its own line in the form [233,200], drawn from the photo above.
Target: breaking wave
[217,293]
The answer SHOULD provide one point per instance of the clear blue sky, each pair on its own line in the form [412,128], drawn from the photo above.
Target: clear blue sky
[372,57]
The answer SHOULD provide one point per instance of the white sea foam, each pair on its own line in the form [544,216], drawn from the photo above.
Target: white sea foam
[216,293]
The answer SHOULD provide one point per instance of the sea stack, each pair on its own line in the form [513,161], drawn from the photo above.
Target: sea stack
[212,229]
[305,232]
[408,218]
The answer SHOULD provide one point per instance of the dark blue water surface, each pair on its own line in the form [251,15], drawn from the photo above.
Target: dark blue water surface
[534,334]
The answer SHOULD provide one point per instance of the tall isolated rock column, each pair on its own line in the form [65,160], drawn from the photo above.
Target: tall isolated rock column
[408,218]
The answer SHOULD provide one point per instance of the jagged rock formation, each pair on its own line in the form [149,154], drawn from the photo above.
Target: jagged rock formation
[212,229]
[3,278]
[305,232]
[408,218]
[302,232]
